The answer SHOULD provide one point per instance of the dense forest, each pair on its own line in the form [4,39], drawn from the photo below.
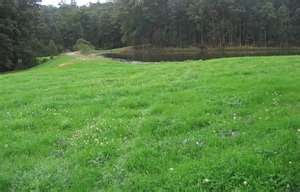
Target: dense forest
[28,29]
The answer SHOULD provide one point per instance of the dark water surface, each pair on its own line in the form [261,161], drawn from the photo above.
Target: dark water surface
[162,55]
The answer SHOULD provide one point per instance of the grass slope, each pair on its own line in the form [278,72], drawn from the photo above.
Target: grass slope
[93,124]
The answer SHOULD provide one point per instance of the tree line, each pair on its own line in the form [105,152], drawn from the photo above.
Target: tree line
[28,29]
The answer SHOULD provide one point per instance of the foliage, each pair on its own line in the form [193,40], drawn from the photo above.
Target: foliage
[83,46]
[26,28]
[179,23]
[95,124]
[52,48]
[216,23]
[17,20]
[42,60]
[66,24]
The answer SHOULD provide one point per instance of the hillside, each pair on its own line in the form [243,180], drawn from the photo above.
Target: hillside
[95,124]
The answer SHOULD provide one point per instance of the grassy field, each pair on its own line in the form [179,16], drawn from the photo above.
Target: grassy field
[94,124]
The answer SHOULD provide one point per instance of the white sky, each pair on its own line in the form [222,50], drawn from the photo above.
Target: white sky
[79,2]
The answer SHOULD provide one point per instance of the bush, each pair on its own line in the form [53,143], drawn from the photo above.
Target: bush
[83,46]
[41,60]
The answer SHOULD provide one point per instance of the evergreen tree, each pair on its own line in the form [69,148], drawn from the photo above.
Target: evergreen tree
[52,48]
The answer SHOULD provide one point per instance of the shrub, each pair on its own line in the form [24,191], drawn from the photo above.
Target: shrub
[41,60]
[83,46]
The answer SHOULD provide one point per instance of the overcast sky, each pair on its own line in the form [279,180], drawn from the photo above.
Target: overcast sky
[79,2]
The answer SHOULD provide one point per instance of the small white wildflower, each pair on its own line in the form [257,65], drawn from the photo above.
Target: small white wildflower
[290,162]
[234,116]
[298,130]
[245,183]
[206,180]
[171,169]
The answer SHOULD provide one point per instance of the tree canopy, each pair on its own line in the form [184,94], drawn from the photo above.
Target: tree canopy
[27,28]
[17,29]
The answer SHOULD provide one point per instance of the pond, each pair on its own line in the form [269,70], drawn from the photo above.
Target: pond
[164,54]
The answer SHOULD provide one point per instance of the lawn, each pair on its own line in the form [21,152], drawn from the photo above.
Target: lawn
[95,124]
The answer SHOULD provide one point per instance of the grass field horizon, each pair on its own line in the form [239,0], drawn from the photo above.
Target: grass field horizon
[79,123]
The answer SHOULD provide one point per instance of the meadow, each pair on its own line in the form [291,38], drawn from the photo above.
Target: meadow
[94,124]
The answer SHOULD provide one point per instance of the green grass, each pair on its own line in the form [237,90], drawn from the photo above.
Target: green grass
[94,124]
